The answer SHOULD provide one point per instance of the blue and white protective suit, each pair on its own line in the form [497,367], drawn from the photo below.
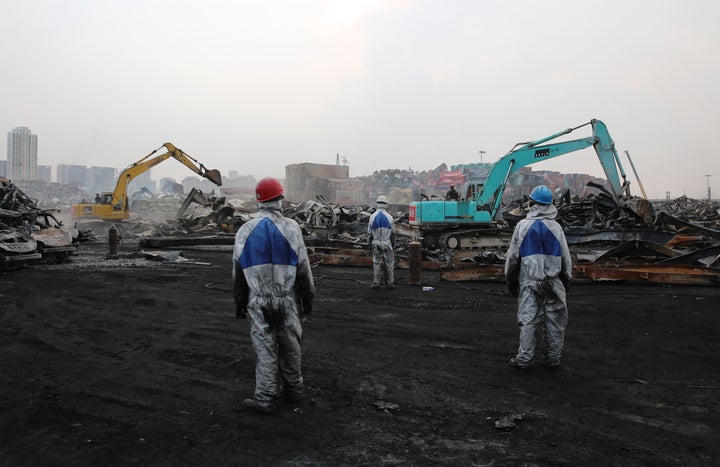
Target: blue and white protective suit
[380,229]
[273,281]
[540,260]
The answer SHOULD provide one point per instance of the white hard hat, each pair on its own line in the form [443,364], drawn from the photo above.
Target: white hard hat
[381,199]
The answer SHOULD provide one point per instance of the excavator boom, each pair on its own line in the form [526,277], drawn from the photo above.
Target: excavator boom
[114,206]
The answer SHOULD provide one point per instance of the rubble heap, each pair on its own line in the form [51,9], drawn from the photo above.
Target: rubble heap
[28,233]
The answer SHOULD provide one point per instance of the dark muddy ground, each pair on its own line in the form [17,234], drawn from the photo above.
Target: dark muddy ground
[139,362]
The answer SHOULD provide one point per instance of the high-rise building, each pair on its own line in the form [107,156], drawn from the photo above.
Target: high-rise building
[71,174]
[44,173]
[22,154]
[100,179]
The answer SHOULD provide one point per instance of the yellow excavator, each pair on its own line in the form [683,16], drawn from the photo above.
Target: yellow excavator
[114,206]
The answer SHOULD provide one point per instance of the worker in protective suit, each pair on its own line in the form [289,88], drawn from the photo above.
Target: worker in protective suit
[381,237]
[538,269]
[273,284]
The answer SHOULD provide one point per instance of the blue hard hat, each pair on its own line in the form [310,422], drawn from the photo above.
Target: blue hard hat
[541,194]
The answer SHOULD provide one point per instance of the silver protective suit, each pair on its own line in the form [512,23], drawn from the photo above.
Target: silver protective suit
[540,260]
[272,280]
[381,228]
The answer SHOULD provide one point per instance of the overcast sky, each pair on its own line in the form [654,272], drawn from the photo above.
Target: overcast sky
[255,85]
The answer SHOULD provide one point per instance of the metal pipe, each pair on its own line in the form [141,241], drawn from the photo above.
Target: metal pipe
[642,190]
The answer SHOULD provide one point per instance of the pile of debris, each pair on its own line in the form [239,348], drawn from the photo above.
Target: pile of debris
[704,213]
[627,237]
[28,233]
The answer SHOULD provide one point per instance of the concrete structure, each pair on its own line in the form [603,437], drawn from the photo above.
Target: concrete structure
[238,185]
[22,150]
[306,181]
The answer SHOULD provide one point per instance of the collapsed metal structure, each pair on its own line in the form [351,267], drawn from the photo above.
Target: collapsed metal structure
[28,233]
[675,242]
[672,242]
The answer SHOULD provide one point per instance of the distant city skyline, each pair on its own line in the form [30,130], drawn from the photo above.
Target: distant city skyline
[22,159]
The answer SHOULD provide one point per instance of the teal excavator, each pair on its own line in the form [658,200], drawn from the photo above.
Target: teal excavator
[455,223]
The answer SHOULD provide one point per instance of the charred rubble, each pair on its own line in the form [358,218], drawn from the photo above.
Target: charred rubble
[29,233]
[601,229]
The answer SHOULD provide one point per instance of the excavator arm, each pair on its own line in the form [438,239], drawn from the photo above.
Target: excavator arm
[490,197]
[119,196]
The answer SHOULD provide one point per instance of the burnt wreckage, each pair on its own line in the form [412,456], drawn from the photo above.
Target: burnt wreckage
[29,233]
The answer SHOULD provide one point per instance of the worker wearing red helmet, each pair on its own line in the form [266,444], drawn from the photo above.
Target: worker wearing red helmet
[538,268]
[273,284]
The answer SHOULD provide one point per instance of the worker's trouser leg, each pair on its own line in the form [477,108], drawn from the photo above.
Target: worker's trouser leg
[377,265]
[389,258]
[529,314]
[383,252]
[556,319]
[278,356]
[290,344]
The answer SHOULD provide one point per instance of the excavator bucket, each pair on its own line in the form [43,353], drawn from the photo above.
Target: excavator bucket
[214,176]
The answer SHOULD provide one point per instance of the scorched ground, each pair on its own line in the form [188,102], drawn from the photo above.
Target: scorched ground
[122,362]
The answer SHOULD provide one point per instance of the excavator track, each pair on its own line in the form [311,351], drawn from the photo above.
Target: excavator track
[467,239]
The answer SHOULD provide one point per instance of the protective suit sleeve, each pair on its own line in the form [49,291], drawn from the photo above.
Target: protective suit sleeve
[512,264]
[566,271]
[307,302]
[241,291]
[304,279]
[512,258]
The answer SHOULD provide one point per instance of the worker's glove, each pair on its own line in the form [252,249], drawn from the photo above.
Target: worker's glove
[307,302]
[513,287]
[240,312]
[566,284]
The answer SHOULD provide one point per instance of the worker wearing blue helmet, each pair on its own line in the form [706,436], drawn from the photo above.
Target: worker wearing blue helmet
[538,269]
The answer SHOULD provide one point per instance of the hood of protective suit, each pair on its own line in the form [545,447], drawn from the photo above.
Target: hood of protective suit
[275,205]
[542,211]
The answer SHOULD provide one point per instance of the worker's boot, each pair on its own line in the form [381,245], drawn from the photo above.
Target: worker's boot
[514,364]
[251,405]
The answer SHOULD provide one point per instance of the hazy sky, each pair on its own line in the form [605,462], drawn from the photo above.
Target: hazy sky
[254,85]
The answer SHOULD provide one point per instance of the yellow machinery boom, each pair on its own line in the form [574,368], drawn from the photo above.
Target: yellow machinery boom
[114,206]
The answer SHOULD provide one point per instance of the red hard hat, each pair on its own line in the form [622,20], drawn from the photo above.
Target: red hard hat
[268,189]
